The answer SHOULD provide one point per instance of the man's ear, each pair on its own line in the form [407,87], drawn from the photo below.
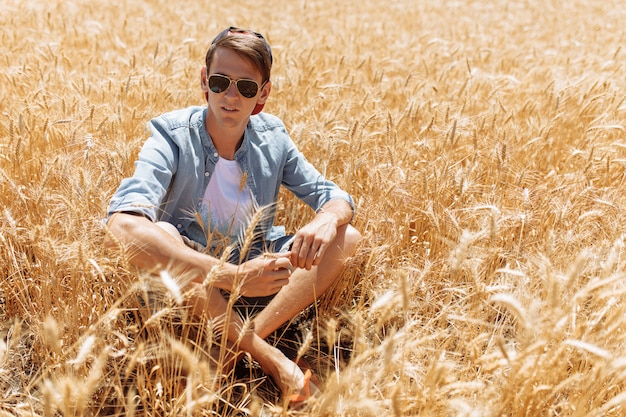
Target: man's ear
[265,92]
[260,102]
[204,84]
[203,81]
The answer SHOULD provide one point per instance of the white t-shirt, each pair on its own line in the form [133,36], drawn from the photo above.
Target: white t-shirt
[227,200]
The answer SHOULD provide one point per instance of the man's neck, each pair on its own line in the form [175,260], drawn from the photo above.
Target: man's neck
[225,140]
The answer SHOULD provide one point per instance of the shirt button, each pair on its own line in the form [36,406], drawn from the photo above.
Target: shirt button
[179,225]
[215,155]
[206,174]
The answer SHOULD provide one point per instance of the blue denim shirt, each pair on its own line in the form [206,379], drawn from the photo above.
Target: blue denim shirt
[176,162]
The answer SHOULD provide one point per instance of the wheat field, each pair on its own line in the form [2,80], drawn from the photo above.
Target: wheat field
[484,143]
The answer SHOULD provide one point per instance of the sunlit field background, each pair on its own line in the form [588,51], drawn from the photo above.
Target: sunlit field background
[484,143]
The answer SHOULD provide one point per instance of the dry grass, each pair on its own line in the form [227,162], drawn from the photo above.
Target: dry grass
[484,143]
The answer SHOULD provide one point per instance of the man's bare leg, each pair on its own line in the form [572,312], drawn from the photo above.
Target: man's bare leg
[210,302]
[303,289]
[306,286]
[284,372]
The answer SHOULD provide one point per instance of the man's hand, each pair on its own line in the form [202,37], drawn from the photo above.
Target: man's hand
[263,276]
[311,241]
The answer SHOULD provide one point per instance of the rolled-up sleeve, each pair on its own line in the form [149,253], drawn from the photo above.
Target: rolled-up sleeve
[155,167]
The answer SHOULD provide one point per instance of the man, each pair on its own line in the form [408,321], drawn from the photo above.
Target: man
[199,180]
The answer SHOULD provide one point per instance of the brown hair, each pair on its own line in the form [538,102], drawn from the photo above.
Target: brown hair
[252,48]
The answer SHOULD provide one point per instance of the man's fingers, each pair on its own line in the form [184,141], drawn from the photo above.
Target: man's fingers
[317,258]
[274,275]
[282,263]
[307,250]
[305,256]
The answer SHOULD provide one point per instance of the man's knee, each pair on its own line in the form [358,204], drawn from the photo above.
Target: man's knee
[171,230]
[351,238]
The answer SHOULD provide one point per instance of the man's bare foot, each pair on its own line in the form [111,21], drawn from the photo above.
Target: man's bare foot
[285,373]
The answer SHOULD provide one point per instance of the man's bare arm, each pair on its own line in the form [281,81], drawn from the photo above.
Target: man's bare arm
[151,247]
[312,240]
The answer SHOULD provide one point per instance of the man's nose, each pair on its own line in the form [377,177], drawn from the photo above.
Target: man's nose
[232,89]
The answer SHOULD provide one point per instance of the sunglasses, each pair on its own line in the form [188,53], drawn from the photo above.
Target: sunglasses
[220,83]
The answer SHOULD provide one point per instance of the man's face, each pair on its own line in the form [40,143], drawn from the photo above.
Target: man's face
[230,107]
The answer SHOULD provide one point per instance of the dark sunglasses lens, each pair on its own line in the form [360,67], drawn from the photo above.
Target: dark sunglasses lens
[247,88]
[218,84]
